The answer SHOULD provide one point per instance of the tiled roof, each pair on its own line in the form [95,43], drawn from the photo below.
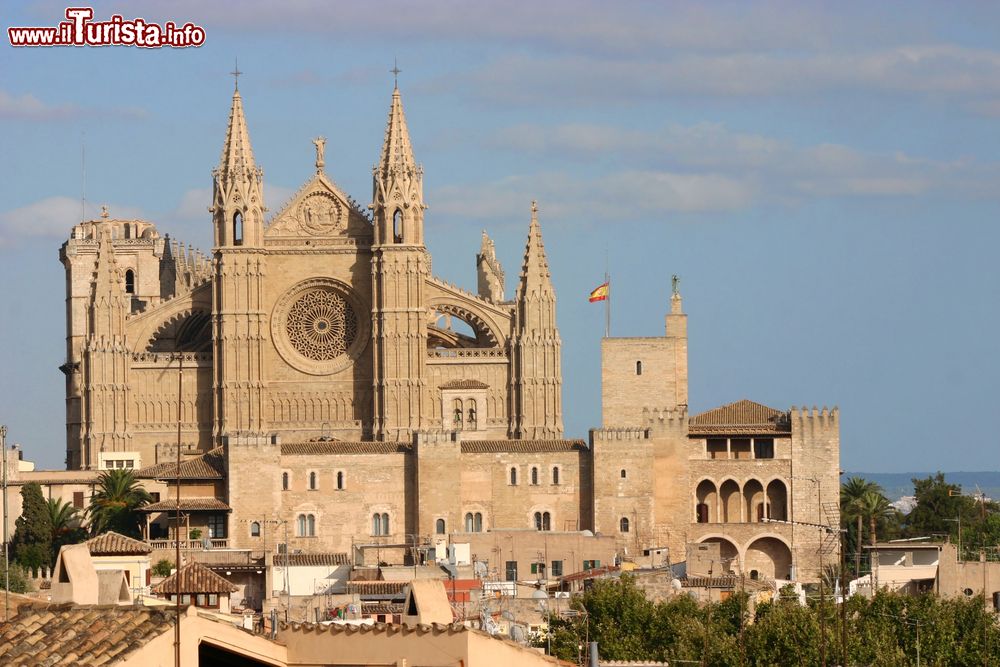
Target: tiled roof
[188,504]
[465,384]
[194,578]
[115,544]
[311,560]
[79,636]
[383,608]
[342,447]
[376,587]
[742,417]
[521,446]
[209,465]
[17,601]
[723,581]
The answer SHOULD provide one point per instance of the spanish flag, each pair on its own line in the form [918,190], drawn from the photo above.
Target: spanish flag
[600,293]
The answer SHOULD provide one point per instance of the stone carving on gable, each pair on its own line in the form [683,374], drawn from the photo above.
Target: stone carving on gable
[320,214]
[315,326]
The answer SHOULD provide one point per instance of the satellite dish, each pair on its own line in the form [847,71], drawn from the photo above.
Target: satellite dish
[517,634]
[508,615]
[675,585]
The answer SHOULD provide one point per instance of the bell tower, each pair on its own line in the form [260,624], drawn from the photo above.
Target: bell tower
[400,267]
[239,321]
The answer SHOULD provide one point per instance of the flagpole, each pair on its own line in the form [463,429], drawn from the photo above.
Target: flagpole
[607,307]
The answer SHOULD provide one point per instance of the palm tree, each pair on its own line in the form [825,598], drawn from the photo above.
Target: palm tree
[851,493]
[115,502]
[875,507]
[66,528]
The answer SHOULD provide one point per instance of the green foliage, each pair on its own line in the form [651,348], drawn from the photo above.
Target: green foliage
[32,541]
[941,508]
[162,568]
[867,515]
[65,520]
[195,534]
[882,631]
[115,503]
[18,579]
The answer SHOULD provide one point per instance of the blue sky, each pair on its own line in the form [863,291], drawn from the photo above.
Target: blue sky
[823,177]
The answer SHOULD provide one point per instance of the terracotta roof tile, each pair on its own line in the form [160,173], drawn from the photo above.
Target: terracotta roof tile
[521,446]
[342,447]
[194,578]
[188,504]
[209,465]
[115,544]
[464,384]
[81,636]
[311,560]
[376,587]
[741,417]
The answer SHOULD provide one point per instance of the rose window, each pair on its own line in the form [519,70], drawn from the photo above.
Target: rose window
[321,325]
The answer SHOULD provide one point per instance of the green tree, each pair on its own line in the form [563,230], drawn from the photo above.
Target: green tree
[876,508]
[115,503]
[65,520]
[162,568]
[32,541]
[939,506]
[853,517]
[18,579]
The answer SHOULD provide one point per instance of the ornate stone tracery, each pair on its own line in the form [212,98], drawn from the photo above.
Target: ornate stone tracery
[321,325]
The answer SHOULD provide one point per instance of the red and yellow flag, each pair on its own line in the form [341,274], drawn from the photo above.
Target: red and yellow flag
[600,293]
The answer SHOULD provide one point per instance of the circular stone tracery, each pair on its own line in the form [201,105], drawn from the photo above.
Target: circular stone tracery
[321,325]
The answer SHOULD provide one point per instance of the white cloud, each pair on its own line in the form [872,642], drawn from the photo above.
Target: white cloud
[28,107]
[52,217]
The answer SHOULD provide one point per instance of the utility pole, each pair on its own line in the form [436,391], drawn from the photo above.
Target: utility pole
[177,525]
[6,556]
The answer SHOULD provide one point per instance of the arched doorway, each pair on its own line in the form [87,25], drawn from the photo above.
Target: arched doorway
[729,499]
[777,500]
[706,509]
[770,557]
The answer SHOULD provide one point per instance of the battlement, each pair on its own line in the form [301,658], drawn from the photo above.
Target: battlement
[665,416]
[822,415]
[625,433]
[436,437]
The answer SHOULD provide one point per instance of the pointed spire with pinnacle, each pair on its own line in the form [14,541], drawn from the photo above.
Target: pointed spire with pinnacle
[536,280]
[110,303]
[397,188]
[237,154]
[489,271]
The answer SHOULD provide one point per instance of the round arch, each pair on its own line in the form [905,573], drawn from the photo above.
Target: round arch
[730,505]
[768,556]
[754,500]
[729,552]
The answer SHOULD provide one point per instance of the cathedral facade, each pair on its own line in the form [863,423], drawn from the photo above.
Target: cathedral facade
[319,378]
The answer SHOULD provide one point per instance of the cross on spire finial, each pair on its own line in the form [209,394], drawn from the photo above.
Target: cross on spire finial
[236,75]
[395,73]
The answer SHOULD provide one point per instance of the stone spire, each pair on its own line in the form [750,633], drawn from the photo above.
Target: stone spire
[238,187]
[536,279]
[489,271]
[397,187]
[110,302]
[237,154]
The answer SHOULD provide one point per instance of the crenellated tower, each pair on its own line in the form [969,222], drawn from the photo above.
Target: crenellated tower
[536,372]
[400,268]
[106,359]
[238,311]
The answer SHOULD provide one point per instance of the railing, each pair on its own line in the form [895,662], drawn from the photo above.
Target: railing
[190,545]
[468,353]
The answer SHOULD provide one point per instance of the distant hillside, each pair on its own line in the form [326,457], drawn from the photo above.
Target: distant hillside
[899,484]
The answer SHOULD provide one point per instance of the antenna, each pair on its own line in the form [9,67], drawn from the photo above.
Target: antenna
[83,176]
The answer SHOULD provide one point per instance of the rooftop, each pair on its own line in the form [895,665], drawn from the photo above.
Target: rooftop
[116,544]
[342,447]
[209,465]
[194,578]
[740,418]
[521,446]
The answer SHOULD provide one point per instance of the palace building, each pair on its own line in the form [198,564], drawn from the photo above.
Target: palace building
[316,372]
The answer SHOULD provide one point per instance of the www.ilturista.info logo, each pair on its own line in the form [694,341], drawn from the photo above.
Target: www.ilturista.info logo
[79,30]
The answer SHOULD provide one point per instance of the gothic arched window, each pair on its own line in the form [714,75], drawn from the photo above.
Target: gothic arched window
[439,527]
[312,481]
[301,525]
[397,226]
[284,481]
[534,476]
[623,524]
[555,475]
[238,228]
[340,479]
[638,368]
[130,282]
[255,529]
[469,525]
[513,476]
[385,524]
[376,524]
[478,523]
[310,525]
[546,521]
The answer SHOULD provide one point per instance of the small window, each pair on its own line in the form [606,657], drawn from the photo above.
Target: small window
[513,476]
[200,600]
[469,522]
[638,368]
[543,521]
[185,598]
[397,226]
[439,527]
[538,520]
[311,525]
[968,592]
[155,495]
[312,481]
[534,476]
[478,522]
[763,448]
[376,524]
[754,575]
[213,599]
[284,481]
[78,499]
[385,524]
[254,529]
[130,282]
[624,474]
[238,228]
[557,568]
[510,568]
[340,480]
[623,524]
[301,525]
[555,475]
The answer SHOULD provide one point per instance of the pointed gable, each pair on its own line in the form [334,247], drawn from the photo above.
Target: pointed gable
[319,209]
[741,417]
